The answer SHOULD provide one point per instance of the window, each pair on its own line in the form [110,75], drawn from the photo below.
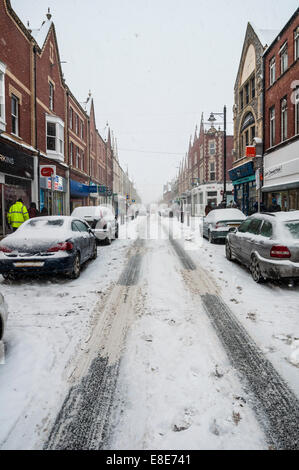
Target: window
[14,115]
[247,93]
[266,230]
[71,153]
[81,129]
[77,157]
[71,118]
[272,70]
[283,58]
[244,226]
[246,138]
[212,172]
[77,124]
[241,100]
[82,160]
[296,43]
[2,96]
[297,110]
[252,134]
[254,226]
[284,119]
[51,96]
[212,149]
[55,137]
[252,81]
[272,126]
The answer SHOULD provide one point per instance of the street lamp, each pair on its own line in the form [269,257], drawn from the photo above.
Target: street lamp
[212,119]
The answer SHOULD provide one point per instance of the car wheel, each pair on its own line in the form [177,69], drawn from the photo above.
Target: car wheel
[75,272]
[116,232]
[108,239]
[95,252]
[210,236]
[255,270]
[228,252]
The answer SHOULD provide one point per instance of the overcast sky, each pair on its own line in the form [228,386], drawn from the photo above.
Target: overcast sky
[153,66]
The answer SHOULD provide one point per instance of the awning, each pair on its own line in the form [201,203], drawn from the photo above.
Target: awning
[79,189]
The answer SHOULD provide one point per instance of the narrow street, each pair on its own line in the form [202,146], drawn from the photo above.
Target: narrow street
[145,351]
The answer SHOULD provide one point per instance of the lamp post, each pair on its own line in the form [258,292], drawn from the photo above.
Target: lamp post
[212,119]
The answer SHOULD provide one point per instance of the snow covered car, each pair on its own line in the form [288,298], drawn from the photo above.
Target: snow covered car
[54,244]
[3,316]
[101,219]
[218,222]
[268,244]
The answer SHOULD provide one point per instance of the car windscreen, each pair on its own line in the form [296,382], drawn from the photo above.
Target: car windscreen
[293,228]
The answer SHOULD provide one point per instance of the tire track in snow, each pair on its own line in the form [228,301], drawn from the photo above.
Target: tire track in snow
[275,405]
[83,420]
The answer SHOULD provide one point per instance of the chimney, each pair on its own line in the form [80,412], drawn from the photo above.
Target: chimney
[28,27]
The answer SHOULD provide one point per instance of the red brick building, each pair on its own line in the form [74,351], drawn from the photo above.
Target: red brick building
[281,118]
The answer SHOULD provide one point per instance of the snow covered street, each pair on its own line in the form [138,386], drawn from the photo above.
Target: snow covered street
[155,346]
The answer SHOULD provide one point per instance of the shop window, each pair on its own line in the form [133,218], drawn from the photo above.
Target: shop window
[284,119]
[283,58]
[272,126]
[272,70]
[55,137]
[51,96]
[296,44]
[2,96]
[14,115]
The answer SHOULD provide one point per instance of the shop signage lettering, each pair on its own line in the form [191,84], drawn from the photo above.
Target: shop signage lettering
[8,160]
[273,171]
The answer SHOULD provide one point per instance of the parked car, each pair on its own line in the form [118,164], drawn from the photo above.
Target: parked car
[52,244]
[268,244]
[3,316]
[101,219]
[218,222]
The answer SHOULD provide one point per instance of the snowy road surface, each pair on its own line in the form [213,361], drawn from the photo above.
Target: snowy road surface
[160,344]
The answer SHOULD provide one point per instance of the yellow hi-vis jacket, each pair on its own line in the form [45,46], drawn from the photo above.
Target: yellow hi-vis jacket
[17,214]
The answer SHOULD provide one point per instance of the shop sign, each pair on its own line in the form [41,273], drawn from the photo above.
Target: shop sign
[16,163]
[102,189]
[242,171]
[250,151]
[57,183]
[48,171]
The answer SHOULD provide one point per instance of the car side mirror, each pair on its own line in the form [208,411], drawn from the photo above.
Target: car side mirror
[233,229]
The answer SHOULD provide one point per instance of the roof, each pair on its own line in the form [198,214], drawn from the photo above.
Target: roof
[266,36]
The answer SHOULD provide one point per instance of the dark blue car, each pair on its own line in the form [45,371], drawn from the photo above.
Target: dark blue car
[54,244]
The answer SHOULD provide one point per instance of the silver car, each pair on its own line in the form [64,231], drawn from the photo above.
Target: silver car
[218,222]
[268,244]
[3,316]
[101,219]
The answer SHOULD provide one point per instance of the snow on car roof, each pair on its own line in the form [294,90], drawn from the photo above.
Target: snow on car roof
[225,214]
[278,216]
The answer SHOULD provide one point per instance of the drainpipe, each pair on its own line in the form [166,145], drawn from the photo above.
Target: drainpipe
[67,173]
[36,159]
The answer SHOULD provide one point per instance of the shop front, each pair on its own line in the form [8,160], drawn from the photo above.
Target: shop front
[243,180]
[281,177]
[53,195]
[16,181]
[83,194]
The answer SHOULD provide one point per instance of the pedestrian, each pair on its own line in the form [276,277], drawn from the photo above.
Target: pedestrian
[44,211]
[32,211]
[274,207]
[208,208]
[17,214]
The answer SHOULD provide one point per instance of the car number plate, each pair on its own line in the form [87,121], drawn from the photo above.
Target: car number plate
[29,264]
[233,225]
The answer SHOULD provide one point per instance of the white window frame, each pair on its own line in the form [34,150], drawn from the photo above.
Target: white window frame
[272,70]
[58,153]
[284,119]
[51,96]
[212,172]
[2,97]
[212,147]
[272,125]
[16,116]
[283,58]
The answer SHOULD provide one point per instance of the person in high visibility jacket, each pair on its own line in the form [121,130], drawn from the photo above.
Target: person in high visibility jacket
[17,214]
